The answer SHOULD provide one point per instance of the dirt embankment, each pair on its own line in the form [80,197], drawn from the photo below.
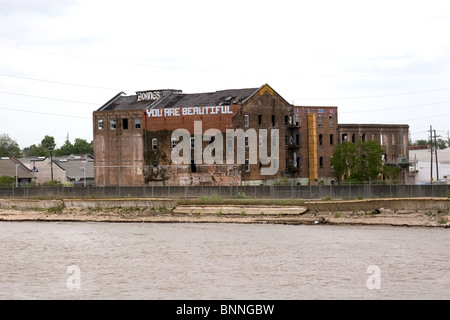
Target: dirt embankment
[398,212]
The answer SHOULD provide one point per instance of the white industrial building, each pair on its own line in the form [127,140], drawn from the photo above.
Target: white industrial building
[424,168]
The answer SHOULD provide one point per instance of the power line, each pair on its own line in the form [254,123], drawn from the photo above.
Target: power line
[48,98]
[45,113]
[394,108]
[378,96]
[216,71]
[59,82]
[435,116]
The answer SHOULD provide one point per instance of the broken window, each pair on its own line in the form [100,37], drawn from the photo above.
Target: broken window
[319,120]
[137,123]
[112,124]
[247,165]
[100,124]
[154,143]
[331,121]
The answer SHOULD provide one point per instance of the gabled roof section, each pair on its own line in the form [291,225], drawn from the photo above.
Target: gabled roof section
[123,102]
[8,168]
[170,98]
[266,88]
[217,98]
[138,101]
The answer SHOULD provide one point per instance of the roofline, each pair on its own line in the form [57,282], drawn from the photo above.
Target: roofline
[103,107]
[21,164]
[260,88]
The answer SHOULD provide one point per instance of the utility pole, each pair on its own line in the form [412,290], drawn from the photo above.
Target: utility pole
[431,160]
[435,153]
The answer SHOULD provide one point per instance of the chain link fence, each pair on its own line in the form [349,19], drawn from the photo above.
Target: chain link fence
[347,191]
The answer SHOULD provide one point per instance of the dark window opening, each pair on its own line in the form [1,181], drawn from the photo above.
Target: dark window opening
[321,162]
[260,119]
[331,138]
[273,120]
[125,123]
[193,167]
[320,139]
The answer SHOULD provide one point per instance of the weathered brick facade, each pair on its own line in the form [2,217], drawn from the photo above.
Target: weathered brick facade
[137,139]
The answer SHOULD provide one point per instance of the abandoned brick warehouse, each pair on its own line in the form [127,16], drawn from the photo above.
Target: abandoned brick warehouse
[227,137]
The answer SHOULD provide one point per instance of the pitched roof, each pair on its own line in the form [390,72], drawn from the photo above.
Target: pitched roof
[121,102]
[8,168]
[222,97]
[75,168]
[170,98]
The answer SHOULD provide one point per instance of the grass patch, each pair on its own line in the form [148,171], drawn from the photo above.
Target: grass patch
[56,209]
[337,215]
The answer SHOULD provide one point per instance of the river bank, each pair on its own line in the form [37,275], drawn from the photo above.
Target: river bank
[417,212]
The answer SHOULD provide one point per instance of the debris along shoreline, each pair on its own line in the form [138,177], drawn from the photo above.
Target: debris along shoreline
[422,212]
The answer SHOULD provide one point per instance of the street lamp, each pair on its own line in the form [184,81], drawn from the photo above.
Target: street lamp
[17,178]
[50,149]
[84,171]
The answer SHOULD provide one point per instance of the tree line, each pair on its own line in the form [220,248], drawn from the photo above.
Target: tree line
[10,148]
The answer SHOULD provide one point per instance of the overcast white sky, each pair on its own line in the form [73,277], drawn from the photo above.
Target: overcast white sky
[377,61]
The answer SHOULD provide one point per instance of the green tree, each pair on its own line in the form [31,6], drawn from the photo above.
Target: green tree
[48,142]
[81,146]
[65,150]
[360,161]
[42,149]
[7,181]
[36,151]
[8,147]
[342,160]
[368,163]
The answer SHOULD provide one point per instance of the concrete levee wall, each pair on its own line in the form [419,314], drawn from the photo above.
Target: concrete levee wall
[406,204]
[261,192]
[87,203]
